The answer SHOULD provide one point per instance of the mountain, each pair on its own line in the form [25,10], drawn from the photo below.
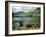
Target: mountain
[36,12]
[20,13]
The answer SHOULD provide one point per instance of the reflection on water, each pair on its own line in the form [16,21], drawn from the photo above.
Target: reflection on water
[26,22]
[26,18]
[23,19]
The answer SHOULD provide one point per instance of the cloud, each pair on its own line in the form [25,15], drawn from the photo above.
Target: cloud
[23,8]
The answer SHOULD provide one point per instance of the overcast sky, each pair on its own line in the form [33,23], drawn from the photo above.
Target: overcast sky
[23,8]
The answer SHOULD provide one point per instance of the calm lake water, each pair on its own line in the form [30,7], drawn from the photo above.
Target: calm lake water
[26,18]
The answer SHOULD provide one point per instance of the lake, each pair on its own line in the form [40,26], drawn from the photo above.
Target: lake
[26,18]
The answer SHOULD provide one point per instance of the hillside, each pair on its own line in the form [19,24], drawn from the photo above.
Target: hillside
[27,14]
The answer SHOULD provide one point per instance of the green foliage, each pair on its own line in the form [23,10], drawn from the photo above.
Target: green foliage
[35,15]
[36,12]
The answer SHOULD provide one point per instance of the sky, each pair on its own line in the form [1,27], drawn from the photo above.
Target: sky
[23,8]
